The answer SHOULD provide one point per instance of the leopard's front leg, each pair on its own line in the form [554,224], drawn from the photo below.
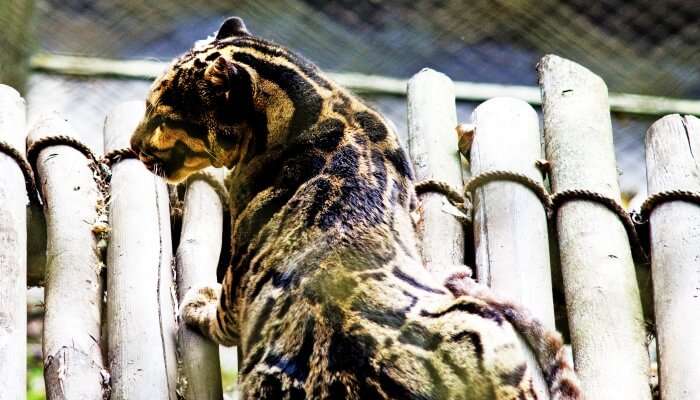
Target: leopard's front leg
[201,310]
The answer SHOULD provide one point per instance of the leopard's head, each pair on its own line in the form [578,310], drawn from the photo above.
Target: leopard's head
[199,112]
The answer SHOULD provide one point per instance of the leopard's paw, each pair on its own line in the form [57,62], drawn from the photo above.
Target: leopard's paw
[198,307]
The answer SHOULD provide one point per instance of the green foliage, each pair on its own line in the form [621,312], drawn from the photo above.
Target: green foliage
[35,378]
[229,379]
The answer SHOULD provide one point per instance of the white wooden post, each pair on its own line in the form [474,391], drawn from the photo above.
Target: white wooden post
[140,288]
[13,251]
[197,259]
[510,223]
[671,147]
[602,297]
[73,365]
[432,120]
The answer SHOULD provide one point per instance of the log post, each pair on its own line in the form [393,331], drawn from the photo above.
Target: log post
[73,365]
[13,251]
[140,287]
[602,296]
[197,259]
[432,142]
[671,145]
[510,223]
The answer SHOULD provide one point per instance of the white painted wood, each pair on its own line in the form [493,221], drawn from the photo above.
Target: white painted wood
[510,223]
[73,364]
[197,259]
[432,120]
[672,145]
[13,251]
[602,297]
[140,288]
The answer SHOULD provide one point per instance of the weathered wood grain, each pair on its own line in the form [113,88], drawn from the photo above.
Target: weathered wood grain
[197,259]
[672,146]
[510,224]
[73,364]
[432,119]
[602,296]
[140,284]
[13,251]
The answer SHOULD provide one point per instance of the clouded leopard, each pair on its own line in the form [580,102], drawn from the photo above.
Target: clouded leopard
[325,293]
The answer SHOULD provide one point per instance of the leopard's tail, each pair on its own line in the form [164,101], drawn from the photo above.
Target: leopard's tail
[549,350]
[546,344]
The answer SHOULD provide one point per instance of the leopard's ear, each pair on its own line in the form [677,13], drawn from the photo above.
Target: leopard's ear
[220,73]
[232,27]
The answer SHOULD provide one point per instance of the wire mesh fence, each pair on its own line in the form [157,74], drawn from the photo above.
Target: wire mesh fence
[638,46]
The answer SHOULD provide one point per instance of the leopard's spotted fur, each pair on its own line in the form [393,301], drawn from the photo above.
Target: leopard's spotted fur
[325,294]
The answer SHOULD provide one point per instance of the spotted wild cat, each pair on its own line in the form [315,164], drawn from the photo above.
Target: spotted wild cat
[325,293]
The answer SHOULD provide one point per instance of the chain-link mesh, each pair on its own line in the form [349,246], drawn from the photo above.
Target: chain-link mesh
[638,46]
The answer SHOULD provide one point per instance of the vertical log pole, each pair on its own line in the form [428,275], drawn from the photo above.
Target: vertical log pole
[602,297]
[510,224]
[197,258]
[432,141]
[140,288]
[13,251]
[73,365]
[671,145]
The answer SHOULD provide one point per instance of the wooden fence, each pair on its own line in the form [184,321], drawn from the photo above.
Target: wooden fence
[103,245]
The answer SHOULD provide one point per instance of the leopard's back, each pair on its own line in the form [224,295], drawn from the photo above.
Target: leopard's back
[325,293]
[378,333]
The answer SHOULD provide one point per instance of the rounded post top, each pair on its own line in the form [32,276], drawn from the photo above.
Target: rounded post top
[509,104]
[8,91]
[666,120]
[429,75]
[50,124]
[557,71]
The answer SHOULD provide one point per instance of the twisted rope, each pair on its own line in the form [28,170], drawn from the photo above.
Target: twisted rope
[453,196]
[63,140]
[26,169]
[118,155]
[552,202]
[58,140]
[503,175]
[666,196]
[638,248]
